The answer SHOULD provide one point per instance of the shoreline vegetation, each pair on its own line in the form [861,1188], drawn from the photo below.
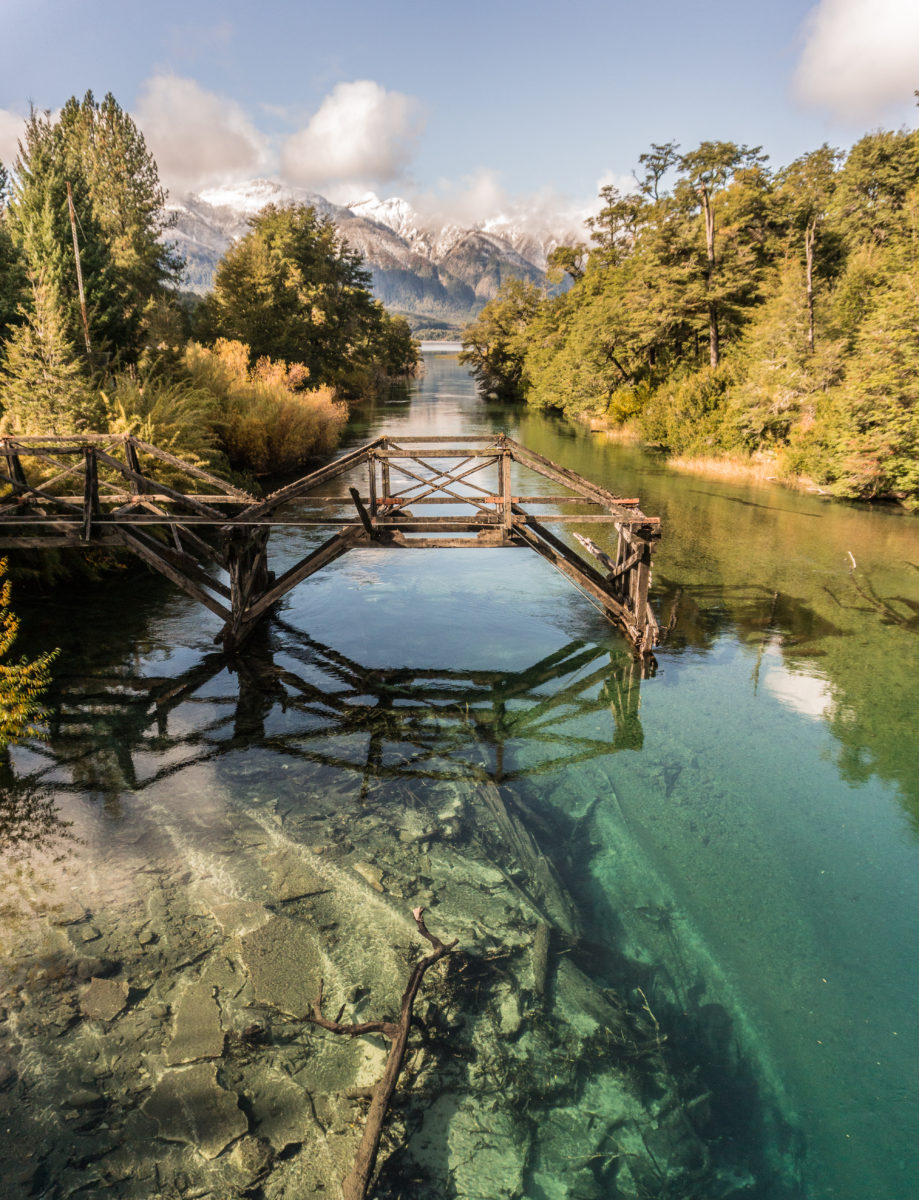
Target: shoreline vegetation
[758,468]
[746,321]
[96,334]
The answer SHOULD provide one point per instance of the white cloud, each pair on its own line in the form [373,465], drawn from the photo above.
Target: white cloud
[861,57]
[198,138]
[11,130]
[480,200]
[360,137]
[624,184]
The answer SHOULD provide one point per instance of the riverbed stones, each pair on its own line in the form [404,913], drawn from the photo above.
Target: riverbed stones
[292,877]
[487,1152]
[103,999]
[373,875]
[196,1033]
[281,1111]
[284,963]
[189,1105]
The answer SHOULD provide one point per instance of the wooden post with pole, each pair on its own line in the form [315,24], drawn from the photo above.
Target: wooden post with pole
[76,254]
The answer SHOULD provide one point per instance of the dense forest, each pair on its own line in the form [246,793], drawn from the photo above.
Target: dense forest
[725,309]
[97,335]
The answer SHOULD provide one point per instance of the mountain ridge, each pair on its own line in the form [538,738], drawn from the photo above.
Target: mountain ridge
[437,276]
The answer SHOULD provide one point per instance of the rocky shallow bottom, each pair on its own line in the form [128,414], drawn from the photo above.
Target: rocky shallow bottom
[158,973]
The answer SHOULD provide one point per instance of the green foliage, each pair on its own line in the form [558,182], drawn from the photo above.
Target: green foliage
[43,388]
[168,412]
[99,151]
[293,289]
[495,344]
[685,415]
[724,309]
[12,272]
[264,421]
[22,682]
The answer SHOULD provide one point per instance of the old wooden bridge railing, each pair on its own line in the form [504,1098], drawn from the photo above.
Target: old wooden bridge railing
[102,490]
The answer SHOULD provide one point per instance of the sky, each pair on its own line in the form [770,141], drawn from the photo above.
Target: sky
[466,109]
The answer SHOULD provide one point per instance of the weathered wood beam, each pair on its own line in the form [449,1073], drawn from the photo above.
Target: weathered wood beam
[434,485]
[392,455]
[296,489]
[70,443]
[545,466]
[363,514]
[491,538]
[39,543]
[487,498]
[178,497]
[601,556]
[25,491]
[17,474]
[570,564]
[473,438]
[182,561]
[334,548]
[159,562]
[408,523]
[228,489]
[90,490]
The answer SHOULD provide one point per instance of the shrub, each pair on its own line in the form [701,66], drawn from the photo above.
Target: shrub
[264,421]
[173,415]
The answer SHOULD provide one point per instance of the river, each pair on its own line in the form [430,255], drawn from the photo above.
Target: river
[737,831]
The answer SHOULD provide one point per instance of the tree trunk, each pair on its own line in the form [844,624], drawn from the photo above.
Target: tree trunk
[810,238]
[713,347]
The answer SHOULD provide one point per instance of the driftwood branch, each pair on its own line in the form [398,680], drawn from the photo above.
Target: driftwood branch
[355,1184]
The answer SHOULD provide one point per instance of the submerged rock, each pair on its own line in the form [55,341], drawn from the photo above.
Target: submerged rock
[284,964]
[371,873]
[197,1032]
[103,999]
[282,1112]
[292,878]
[189,1105]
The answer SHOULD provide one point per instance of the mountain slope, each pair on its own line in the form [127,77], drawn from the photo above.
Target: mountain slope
[436,277]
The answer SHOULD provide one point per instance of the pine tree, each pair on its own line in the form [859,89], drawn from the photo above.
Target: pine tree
[99,151]
[12,274]
[42,383]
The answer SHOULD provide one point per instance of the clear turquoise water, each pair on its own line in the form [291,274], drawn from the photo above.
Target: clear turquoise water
[744,821]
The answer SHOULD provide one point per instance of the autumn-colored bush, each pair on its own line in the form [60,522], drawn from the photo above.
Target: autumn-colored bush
[264,419]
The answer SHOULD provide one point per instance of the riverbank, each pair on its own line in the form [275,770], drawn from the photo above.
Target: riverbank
[759,468]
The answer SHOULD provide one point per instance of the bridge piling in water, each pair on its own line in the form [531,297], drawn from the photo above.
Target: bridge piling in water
[183,521]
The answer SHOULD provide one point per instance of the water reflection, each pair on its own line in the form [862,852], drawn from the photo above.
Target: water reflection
[305,700]
[29,818]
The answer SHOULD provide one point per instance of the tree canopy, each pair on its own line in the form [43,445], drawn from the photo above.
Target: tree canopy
[726,308]
[98,151]
[293,289]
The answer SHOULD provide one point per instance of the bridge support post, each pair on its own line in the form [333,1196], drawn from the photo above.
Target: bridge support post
[247,563]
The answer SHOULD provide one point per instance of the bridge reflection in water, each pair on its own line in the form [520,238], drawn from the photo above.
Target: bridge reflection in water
[299,698]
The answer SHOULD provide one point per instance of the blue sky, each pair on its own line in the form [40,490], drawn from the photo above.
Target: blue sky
[470,104]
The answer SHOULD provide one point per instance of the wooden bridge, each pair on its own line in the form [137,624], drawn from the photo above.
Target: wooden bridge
[121,492]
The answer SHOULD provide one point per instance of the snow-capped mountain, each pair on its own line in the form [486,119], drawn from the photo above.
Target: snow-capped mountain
[438,276]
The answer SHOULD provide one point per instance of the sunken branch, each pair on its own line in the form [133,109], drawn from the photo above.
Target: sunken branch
[355,1184]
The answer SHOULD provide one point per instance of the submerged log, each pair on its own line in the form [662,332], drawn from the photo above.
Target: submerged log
[357,1181]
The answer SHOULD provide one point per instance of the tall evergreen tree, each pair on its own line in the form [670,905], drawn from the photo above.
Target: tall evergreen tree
[97,150]
[721,280]
[42,383]
[12,274]
[806,187]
